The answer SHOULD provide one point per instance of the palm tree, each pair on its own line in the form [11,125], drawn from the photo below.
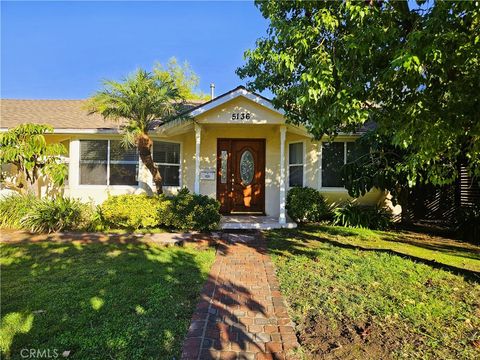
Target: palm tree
[138,102]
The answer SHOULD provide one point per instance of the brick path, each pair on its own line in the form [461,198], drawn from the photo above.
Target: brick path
[241,314]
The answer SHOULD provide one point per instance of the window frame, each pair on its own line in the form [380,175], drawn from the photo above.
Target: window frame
[304,158]
[180,162]
[320,157]
[127,162]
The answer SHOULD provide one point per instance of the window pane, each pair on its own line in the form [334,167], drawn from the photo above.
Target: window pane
[93,174]
[332,162]
[170,174]
[119,153]
[295,153]
[93,150]
[164,152]
[123,174]
[356,150]
[295,176]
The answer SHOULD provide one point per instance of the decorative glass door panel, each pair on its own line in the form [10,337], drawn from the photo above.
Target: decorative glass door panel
[241,175]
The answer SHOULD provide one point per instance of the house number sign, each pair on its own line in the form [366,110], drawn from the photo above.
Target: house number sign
[241,116]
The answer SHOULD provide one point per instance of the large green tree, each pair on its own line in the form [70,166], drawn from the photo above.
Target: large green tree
[413,68]
[26,148]
[139,102]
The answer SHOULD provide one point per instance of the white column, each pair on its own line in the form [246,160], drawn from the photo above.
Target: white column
[282,219]
[74,163]
[198,133]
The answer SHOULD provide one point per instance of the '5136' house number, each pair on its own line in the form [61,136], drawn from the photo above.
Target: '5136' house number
[241,116]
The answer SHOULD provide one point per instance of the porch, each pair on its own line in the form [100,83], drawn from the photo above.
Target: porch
[249,222]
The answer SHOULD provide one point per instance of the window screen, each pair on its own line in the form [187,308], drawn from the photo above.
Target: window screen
[93,162]
[332,161]
[295,164]
[167,157]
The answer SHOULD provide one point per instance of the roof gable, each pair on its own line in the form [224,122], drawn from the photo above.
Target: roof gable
[238,92]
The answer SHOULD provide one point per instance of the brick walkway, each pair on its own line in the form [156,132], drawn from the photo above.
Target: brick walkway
[241,314]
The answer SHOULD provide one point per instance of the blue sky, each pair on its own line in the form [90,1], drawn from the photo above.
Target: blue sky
[62,50]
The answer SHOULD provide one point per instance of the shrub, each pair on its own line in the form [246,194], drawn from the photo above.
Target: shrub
[15,207]
[468,224]
[306,205]
[187,211]
[131,211]
[49,215]
[353,215]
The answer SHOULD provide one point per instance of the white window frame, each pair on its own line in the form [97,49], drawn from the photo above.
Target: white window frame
[180,170]
[304,158]
[320,176]
[129,162]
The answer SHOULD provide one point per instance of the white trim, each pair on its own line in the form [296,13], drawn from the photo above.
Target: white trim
[198,139]
[282,218]
[304,159]
[233,95]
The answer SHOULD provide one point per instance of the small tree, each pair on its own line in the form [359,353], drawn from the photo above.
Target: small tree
[141,100]
[25,148]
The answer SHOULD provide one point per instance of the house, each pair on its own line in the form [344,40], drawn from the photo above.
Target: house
[236,148]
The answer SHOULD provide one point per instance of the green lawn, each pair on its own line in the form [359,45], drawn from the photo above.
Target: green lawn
[102,300]
[352,297]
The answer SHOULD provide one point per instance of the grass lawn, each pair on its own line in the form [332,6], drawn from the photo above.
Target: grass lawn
[352,299]
[101,300]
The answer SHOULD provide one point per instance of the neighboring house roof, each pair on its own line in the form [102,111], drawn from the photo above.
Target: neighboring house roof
[61,114]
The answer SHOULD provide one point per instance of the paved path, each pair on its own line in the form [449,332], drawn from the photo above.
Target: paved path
[241,314]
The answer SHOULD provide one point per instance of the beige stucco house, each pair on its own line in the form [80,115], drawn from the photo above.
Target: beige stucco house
[236,148]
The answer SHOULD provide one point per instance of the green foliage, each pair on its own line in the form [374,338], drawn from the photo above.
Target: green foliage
[189,211]
[353,215]
[412,69]
[13,208]
[25,147]
[131,211]
[184,78]
[57,214]
[307,205]
[468,224]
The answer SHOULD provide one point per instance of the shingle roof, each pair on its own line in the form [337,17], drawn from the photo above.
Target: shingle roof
[61,114]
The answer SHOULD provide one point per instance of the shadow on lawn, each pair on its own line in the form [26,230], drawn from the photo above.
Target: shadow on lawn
[295,247]
[97,297]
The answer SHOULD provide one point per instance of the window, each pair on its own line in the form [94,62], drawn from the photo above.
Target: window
[295,164]
[334,156]
[107,162]
[166,156]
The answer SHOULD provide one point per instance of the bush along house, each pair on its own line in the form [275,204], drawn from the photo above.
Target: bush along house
[236,148]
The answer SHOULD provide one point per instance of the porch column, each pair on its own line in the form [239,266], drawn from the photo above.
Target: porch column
[198,133]
[282,219]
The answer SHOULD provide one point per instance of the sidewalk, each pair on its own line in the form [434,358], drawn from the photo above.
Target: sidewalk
[241,314]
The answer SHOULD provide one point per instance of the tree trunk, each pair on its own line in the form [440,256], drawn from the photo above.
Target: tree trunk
[144,145]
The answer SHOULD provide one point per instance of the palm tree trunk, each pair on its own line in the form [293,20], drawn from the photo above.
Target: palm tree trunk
[144,145]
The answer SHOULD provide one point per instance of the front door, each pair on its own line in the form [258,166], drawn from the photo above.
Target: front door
[241,176]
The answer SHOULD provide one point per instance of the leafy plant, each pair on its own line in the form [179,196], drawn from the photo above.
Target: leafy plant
[57,214]
[353,215]
[468,224]
[188,211]
[130,211]
[14,207]
[141,100]
[25,147]
[410,68]
[306,205]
